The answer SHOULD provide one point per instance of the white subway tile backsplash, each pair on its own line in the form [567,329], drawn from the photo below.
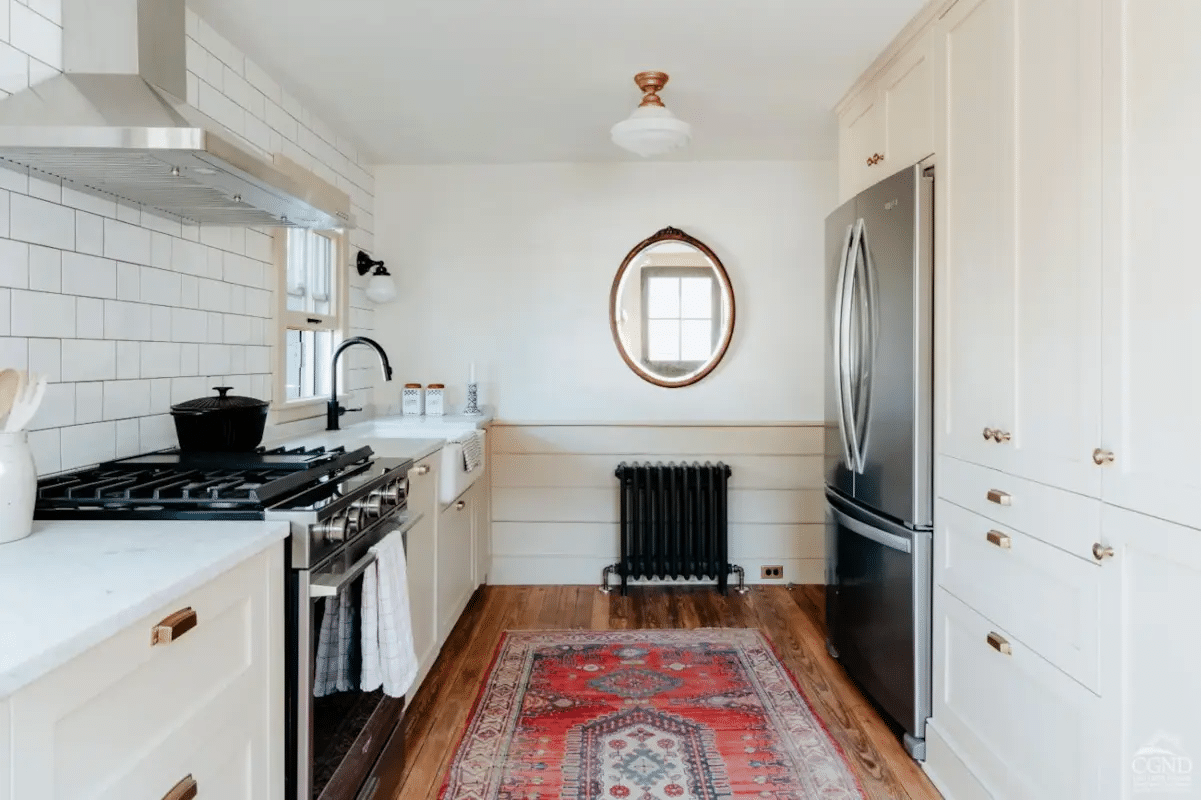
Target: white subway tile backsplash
[36,35]
[41,222]
[88,444]
[89,360]
[89,233]
[129,213]
[215,325]
[46,358]
[45,445]
[89,318]
[89,276]
[237,329]
[214,295]
[126,320]
[45,269]
[160,323]
[184,389]
[189,359]
[160,287]
[57,408]
[14,352]
[129,282]
[14,263]
[89,402]
[160,359]
[188,325]
[89,202]
[129,438]
[160,395]
[14,66]
[160,249]
[42,314]
[125,241]
[129,360]
[157,433]
[126,399]
[214,359]
[189,291]
[45,188]
[213,267]
[5,312]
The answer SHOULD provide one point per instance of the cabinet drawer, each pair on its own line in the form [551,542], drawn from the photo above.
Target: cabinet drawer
[423,486]
[93,720]
[1070,521]
[1030,731]
[1048,599]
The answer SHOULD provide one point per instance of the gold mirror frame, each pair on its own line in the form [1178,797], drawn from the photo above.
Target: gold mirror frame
[673,235]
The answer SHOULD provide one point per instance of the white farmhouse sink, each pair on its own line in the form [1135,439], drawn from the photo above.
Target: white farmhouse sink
[455,478]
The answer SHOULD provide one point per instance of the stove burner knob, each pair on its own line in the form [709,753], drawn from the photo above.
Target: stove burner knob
[394,493]
[339,527]
[371,506]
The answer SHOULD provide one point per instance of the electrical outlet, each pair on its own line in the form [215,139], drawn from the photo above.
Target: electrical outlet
[771,571]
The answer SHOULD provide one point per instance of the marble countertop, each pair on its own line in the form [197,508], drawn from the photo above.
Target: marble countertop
[71,585]
[392,437]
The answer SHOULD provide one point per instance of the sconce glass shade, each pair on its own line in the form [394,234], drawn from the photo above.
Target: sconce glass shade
[652,131]
[381,288]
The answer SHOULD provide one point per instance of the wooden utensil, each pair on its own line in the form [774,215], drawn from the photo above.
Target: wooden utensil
[26,404]
[10,385]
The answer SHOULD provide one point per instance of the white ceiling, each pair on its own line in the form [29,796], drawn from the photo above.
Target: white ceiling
[509,81]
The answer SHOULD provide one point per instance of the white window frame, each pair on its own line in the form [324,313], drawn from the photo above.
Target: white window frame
[286,410]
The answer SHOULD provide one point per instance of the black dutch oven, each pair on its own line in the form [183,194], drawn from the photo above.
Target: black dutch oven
[221,424]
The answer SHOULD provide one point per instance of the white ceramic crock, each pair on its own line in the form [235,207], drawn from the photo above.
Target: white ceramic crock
[18,486]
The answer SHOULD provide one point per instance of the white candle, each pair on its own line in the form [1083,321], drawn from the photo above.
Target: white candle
[471,377]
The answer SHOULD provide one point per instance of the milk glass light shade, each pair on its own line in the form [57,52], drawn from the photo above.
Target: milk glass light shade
[381,288]
[652,130]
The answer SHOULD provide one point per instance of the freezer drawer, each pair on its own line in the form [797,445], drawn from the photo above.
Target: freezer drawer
[878,609]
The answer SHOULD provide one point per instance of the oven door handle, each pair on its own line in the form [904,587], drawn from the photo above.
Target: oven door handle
[330,585]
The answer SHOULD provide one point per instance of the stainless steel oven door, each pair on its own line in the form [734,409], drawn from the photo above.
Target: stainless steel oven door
[340,735]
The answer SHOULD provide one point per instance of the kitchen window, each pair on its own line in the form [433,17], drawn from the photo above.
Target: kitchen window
[312,314]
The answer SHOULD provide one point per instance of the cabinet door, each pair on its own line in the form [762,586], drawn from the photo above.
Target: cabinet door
[908,100]
[482,526]
[1153,687]
[1153,285]
[862,136]
[455,534]
[1021,184]
[422,561]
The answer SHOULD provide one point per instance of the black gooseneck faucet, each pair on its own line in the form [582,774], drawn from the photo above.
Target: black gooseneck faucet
[332,409]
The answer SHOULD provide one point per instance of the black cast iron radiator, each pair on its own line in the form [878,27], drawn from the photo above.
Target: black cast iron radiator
[674,523]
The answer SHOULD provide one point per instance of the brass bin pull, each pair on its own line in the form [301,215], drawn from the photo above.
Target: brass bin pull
[999,497]
[184,790]
[999,643]
[999,539]
[1102,552]
[1102,457]
[173,627]
[462,504]
[1000,436]
[424,469]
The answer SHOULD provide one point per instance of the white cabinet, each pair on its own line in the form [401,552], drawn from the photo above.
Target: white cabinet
[890,125]
[1019,284]
[5,738]
[132,719]
[1153,285]
[1027,730]
[421,557]
[456,557]
[1153,687]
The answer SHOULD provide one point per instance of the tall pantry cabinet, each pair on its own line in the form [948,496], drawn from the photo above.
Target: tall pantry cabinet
[1068,415]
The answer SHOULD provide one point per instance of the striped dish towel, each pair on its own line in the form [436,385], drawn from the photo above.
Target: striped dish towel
[389,659]
[331,673]
[473,452]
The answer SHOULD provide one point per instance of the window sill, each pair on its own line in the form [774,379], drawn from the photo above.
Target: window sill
[298,410]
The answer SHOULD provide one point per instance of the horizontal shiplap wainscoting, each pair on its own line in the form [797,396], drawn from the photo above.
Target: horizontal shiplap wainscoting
[555,505]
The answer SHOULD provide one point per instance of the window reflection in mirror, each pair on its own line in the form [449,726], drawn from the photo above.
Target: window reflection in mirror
[672,309]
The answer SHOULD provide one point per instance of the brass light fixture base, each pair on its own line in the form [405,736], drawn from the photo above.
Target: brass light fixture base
[651,83]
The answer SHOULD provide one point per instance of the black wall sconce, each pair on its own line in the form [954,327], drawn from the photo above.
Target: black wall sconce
[381,288]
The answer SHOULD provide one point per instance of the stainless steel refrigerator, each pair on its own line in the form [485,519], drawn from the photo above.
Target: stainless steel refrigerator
[879,443]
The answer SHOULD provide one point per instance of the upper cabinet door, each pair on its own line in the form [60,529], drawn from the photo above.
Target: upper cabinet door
[1153,283]
[975,358]
[1022,182]
[862,141]
[909,100]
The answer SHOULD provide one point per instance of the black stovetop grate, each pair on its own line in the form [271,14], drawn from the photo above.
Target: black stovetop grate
[174,484]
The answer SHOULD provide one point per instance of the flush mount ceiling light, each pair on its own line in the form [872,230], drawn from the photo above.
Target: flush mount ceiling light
[651,130]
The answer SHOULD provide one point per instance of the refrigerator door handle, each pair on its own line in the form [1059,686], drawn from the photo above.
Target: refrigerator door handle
[870,330]
[840,350]
[889,540]
[849,347]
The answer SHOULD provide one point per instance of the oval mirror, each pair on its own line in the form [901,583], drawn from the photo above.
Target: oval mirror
[672,309]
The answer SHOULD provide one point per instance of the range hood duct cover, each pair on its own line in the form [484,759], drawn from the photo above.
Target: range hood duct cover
[113,125]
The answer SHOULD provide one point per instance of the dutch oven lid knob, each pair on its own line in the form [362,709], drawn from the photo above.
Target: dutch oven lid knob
[222,390]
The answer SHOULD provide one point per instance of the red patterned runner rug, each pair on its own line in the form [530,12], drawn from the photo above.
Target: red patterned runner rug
[644,715]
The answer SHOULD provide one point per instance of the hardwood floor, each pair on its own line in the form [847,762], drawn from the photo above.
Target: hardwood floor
[791,618]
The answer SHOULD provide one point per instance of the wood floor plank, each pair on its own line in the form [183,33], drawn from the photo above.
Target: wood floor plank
[792,618]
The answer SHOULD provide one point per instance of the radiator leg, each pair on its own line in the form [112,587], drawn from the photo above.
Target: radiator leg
[742,589]
[604,587]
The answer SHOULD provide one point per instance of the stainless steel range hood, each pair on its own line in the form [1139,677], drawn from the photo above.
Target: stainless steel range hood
[113,125]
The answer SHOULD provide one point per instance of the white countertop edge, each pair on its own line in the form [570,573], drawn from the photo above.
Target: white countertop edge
[637,423]
[18,676]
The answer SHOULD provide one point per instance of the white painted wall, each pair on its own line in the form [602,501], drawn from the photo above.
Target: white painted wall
[127,312]
[511,266]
